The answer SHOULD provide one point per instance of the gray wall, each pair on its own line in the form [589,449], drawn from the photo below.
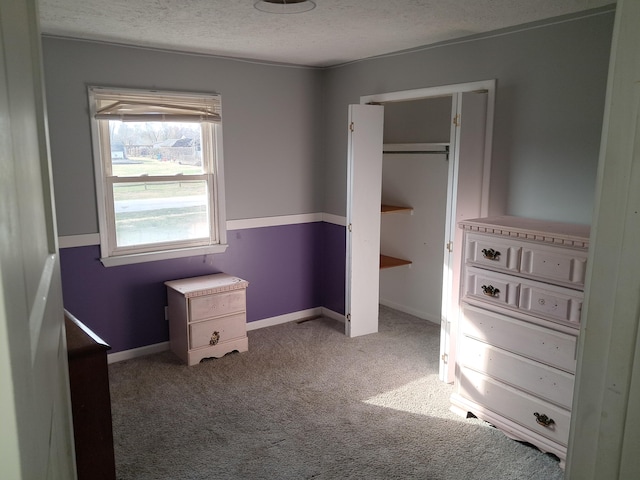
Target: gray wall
[551,82]
[418,121]
[272,140]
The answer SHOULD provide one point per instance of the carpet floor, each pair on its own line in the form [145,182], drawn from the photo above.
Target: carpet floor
[307,402]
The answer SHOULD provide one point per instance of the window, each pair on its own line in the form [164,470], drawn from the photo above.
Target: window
[159,175]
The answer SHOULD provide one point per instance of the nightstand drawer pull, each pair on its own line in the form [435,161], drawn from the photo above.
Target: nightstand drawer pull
[490,291]
[491,254]
[215,338]
[544,420]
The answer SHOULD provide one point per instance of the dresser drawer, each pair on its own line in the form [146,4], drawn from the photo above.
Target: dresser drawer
[535,342]
[539,380]
[209,306]
[491,287]
[515,405]
[550,301]
[555,264]
[542,300]
[492,252]
[220,330]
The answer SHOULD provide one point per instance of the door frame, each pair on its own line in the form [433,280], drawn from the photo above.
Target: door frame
[450,312]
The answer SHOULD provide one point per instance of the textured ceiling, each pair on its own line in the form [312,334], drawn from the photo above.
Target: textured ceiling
[335,32]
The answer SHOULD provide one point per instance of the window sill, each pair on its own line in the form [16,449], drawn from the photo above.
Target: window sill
[165,255]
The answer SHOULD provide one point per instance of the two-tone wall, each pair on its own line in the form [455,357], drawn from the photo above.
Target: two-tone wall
[285,143]
[278,238]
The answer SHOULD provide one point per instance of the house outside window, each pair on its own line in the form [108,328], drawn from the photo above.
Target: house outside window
[159,174]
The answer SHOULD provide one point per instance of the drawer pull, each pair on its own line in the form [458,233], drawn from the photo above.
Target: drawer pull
[490,290]
[543,420]
[215,338]
[491,254]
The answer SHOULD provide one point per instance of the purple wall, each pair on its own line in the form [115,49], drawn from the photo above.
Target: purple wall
[289,268]
[332,267]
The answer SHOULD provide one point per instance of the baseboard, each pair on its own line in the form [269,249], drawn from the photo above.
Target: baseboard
[289,317]
[267,322]
[410,311]
[333,315]
[137,352]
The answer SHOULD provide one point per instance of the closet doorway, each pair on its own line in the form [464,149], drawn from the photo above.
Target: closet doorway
[438,147]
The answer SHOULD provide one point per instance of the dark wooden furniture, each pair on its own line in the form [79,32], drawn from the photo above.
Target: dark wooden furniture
[90,402]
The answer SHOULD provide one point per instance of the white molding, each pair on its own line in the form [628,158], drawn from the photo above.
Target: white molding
[428,92]
[335,219]
[273,221]
[486,36]
[333,315]
[286,318]
[137,352]
[89,239]
[134,258]
[410,311]
[85,240]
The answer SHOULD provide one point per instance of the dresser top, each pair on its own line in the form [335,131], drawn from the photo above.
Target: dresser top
[568,234]
[206,285]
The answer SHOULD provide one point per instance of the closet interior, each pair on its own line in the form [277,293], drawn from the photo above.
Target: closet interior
[413,212]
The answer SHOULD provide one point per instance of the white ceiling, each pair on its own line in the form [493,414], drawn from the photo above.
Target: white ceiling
[335,32]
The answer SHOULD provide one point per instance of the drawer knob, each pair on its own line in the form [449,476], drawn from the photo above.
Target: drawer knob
[215,338]
[491,254]
[490,290]
[543,420]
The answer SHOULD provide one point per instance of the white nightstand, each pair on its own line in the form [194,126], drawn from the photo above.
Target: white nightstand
[207,316]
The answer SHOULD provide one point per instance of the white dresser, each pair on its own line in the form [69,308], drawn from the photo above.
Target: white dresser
[521,300]
[207,316]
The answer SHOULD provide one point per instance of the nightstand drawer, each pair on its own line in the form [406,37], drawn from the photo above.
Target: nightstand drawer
[532,341]
[220,330]
[533,413]
[542,381]
[209,306]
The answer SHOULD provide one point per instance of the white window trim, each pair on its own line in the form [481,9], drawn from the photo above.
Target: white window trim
[217,191]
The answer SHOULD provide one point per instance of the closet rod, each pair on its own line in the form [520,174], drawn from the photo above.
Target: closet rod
[445,152]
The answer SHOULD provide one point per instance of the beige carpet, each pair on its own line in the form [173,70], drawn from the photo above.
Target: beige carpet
[306,402]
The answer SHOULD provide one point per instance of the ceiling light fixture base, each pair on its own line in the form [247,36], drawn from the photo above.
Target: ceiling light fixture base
[285,6]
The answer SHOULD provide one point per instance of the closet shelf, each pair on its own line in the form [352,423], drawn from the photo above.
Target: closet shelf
[395,209]
[390,262]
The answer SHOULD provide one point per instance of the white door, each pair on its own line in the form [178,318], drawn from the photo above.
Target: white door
[35,415]
[466,187]
[604,439]
[364,192]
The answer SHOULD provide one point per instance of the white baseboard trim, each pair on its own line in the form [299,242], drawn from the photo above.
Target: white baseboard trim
[266,322]
[410,311]
[289,317]
[137,352]
[333,315]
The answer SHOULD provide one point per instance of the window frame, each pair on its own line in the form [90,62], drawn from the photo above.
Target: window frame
[213,175]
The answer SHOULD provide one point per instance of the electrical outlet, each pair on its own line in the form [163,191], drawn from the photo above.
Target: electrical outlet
[166,313]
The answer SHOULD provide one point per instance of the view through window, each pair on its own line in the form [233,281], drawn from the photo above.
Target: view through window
[157,210]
